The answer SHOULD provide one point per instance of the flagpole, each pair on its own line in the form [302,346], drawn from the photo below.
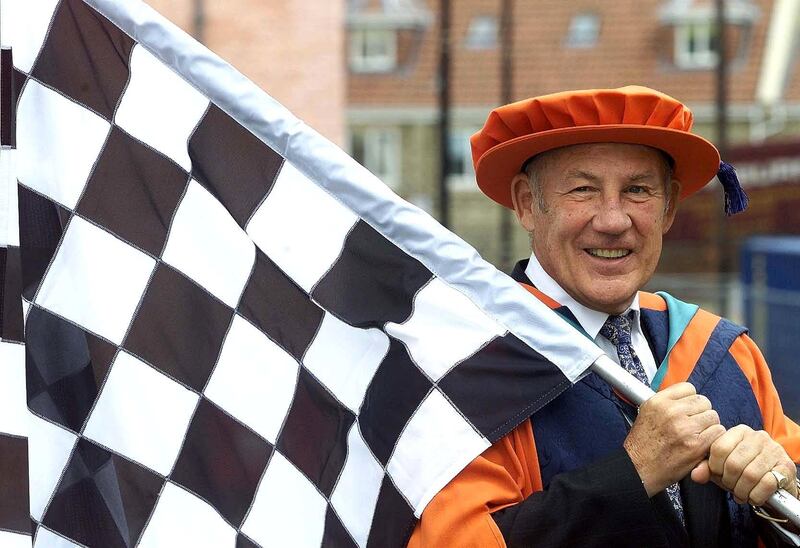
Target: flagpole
[636,392]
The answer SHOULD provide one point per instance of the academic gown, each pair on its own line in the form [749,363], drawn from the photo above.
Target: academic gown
[562,478]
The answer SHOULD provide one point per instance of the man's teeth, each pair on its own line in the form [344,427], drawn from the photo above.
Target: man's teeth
[609,253]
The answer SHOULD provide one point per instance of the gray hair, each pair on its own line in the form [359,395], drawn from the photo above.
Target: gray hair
[533,168]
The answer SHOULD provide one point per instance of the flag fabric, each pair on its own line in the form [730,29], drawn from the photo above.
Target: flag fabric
[233,333]
[14,514]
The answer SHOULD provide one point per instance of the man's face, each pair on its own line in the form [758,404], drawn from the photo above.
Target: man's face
[606,208]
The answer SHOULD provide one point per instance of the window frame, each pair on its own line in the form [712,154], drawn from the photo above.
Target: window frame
[359,59]
[571,42]
[481,26]
[464,181]
[371,136]
[698,59]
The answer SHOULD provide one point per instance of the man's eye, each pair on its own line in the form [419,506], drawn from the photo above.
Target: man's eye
[637,189]
[582,189]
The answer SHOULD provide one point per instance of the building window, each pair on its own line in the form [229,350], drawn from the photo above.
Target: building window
[584,30]
[373,50]
[378,150]
[696,45]
[482,32]
[462,173]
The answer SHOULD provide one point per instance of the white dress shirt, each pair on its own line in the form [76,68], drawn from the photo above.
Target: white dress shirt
[592,320]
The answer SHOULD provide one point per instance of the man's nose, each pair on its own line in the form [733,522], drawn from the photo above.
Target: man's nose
[611,217]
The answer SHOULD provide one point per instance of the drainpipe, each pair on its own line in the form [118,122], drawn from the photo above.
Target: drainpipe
[506,90]
[777,58]
[444,112]
[723,248]
[199,20]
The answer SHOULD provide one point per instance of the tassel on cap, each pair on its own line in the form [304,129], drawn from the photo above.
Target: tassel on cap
[736,199]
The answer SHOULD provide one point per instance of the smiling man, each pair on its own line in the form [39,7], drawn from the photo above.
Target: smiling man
[595,178]
[596,214]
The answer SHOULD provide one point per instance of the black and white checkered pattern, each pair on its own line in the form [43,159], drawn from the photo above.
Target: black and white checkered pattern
[219,352]
[15,528]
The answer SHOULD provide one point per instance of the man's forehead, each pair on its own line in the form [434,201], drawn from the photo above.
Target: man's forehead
[587,158]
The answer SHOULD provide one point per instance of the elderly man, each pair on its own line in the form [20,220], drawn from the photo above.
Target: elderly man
[595,178]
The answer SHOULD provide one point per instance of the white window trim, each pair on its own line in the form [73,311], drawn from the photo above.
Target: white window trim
[394,161]
[686,59]
[570,40]
[376,63]
[464,182]
[482,33]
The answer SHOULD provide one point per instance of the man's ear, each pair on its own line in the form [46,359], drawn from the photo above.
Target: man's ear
[672,206]
[523,200]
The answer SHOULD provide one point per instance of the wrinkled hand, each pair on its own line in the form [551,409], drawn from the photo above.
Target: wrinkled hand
[672,434]
[740,461]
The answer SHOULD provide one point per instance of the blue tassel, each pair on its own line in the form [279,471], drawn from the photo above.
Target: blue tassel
[736,199]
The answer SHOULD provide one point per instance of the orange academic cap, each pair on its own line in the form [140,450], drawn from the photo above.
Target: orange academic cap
[633,114]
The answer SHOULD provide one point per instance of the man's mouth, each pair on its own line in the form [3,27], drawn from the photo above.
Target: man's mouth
[608,253]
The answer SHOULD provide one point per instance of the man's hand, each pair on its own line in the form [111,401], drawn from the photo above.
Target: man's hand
[741,461]
[672,434]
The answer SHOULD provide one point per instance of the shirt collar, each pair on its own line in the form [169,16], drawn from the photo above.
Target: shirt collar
[591,320]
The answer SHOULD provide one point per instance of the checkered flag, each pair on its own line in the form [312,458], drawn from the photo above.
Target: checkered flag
[234,334]
[14,520]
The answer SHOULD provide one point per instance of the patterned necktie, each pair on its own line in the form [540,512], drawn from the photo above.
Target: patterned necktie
[617,329]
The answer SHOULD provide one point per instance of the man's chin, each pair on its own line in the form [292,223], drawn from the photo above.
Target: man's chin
[609,299]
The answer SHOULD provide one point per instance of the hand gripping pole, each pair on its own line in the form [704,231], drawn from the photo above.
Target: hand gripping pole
[637,393]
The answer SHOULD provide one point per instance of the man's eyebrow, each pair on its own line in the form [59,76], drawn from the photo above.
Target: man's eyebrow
[644,175]
[580,174]
[589,176]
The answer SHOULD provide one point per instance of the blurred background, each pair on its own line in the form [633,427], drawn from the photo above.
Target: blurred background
[402,84]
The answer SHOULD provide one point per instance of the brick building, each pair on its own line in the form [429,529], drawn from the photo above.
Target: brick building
[293,50]
[666,44]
